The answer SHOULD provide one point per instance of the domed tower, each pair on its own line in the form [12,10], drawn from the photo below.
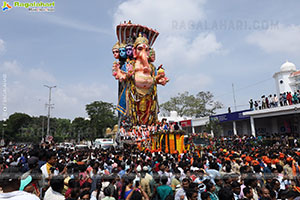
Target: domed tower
[283,80]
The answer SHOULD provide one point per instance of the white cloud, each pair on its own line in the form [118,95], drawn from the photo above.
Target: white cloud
[14,69]
[90,92]
[64,104]
[282,39]
[74,24]
[178,51]
[158,14]
[190,82]
[70,101]
[10,67]
[41,75]
[2,46]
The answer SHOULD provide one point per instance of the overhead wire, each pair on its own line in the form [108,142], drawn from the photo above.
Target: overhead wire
[241,88]
[245,87]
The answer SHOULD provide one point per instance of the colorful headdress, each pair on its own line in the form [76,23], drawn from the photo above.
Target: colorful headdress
[116,46]
[127,31]
[122,45]
[129,41]
[151,51]
[140,40]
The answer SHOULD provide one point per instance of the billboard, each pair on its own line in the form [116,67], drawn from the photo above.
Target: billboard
[186,123]
[228,117]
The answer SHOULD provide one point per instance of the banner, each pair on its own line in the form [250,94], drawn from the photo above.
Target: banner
[166,142]
[172,143]
[160,144]
[234,116]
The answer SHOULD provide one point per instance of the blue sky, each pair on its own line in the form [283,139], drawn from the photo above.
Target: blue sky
[243,43]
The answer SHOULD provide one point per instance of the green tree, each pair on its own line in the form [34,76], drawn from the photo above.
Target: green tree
[101,116]
[15,123]
[82,126]
[199,105]
[62,128]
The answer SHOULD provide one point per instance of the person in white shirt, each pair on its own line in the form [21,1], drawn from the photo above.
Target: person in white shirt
[180,193]
[54,192]
[275,100]
[10,184]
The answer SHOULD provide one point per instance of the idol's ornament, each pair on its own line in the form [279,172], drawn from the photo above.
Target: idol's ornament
[136,73]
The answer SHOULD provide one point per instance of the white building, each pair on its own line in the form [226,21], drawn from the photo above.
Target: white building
[173,117]
[287,79]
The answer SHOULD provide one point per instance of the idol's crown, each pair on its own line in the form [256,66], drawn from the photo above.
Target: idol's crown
[140,40]
[116,46]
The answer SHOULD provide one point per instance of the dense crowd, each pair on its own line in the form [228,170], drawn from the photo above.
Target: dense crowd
[271,101]
[127,131]
[227,169]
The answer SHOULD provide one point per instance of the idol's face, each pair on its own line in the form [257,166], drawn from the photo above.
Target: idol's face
[129,50]
[116,53]
[152,57]
[142,51]
[122,52]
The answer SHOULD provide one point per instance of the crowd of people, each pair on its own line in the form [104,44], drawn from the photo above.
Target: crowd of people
[127,131]
[227,169]
[271,101]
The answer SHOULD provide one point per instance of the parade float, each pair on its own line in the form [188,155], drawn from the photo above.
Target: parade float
[138,78]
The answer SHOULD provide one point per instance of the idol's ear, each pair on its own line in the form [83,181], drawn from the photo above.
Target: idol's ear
[134,52]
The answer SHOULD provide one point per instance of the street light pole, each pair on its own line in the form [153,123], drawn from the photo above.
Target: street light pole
[234,101]
[49,108]
[43,127]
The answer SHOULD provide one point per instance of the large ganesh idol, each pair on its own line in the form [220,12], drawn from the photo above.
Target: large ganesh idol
[136,73]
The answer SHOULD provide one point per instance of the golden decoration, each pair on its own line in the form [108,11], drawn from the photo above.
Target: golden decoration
[116,46]
[140,40]
[122,45]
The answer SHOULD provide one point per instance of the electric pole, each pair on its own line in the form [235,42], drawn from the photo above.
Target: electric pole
[49,109]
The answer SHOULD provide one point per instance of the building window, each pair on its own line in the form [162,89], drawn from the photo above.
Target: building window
[281,81]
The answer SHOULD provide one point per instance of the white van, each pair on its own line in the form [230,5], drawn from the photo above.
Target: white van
[104,143]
